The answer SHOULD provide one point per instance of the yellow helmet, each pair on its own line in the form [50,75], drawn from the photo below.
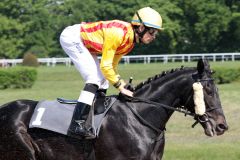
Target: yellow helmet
[148,17]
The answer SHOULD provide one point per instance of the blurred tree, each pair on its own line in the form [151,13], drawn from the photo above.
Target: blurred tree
[202,25]
[10,31]
[30,26]
[44,21]
[11,28]
[230,39]
[191,26]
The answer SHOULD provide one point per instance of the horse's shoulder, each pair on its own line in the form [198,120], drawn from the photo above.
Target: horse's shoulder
[119,110]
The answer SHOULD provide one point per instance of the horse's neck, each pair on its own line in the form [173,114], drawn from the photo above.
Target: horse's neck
[171,90]
[172,84]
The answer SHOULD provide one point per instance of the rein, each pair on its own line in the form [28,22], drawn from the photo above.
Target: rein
[144,121]
[186,112]
[181,110]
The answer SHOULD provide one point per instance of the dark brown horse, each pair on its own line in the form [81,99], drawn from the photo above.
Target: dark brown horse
[132,130]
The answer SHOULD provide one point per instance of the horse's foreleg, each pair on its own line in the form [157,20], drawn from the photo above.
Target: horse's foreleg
[27,145]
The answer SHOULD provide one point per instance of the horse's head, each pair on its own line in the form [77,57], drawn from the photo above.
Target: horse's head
[177,88]
[213,120]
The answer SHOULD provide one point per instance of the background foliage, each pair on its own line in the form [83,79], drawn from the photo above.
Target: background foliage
[18,77]
[190,26]
[30,59]
[226,75]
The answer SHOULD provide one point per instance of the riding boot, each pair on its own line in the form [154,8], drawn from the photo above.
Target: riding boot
[82,116]
[78,124]
[101,93]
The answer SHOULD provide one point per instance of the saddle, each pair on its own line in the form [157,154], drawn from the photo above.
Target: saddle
[56,115]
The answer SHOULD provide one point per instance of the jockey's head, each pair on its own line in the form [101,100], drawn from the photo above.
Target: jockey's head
[146,23]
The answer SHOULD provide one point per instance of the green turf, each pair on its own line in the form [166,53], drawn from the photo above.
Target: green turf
[182,142]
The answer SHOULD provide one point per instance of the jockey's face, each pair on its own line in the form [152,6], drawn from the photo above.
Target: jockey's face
[149,36]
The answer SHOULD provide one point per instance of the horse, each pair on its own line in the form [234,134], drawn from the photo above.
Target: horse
[133,128]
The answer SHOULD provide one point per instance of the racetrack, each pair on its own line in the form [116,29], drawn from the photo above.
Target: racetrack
[182,142]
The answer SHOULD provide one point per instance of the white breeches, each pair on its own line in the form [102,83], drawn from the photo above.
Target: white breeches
[85,62]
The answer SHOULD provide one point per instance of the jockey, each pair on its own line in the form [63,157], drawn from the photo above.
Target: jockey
[113,39]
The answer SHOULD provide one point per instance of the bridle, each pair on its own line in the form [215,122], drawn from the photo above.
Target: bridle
[203,118]
[199,119]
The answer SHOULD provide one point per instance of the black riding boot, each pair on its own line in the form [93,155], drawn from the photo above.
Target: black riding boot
[81,123]
[78,124]
[101,93]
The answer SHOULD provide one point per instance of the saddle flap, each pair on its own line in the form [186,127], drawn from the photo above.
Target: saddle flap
[53,116]
[56,116]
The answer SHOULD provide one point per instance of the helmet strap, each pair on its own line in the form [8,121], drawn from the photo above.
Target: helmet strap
[140,33]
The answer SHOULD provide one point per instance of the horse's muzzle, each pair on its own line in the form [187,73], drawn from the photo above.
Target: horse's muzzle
[211,127]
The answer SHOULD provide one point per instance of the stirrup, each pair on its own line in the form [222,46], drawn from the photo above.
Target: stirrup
[80,123]
[81,130]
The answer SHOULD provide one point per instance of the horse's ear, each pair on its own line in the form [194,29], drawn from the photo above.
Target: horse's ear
[202,65]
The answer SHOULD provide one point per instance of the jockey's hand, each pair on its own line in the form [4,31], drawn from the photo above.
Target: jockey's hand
[129,87]
[125,91]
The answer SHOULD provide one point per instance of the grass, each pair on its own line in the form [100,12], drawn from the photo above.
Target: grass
[202,151]
[182,142]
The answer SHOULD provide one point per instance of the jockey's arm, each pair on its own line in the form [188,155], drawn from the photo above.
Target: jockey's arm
[110,74]
[116,60]
[106,66]
[110,61]
[112,40]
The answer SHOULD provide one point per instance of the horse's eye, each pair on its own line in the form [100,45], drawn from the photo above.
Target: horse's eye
[209,90]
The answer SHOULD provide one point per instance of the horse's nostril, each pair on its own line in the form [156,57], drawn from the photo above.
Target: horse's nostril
[222,127]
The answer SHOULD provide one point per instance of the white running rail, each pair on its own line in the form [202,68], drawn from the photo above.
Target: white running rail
[137,59]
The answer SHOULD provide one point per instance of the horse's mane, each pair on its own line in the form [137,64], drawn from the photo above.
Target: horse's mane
[162,75]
